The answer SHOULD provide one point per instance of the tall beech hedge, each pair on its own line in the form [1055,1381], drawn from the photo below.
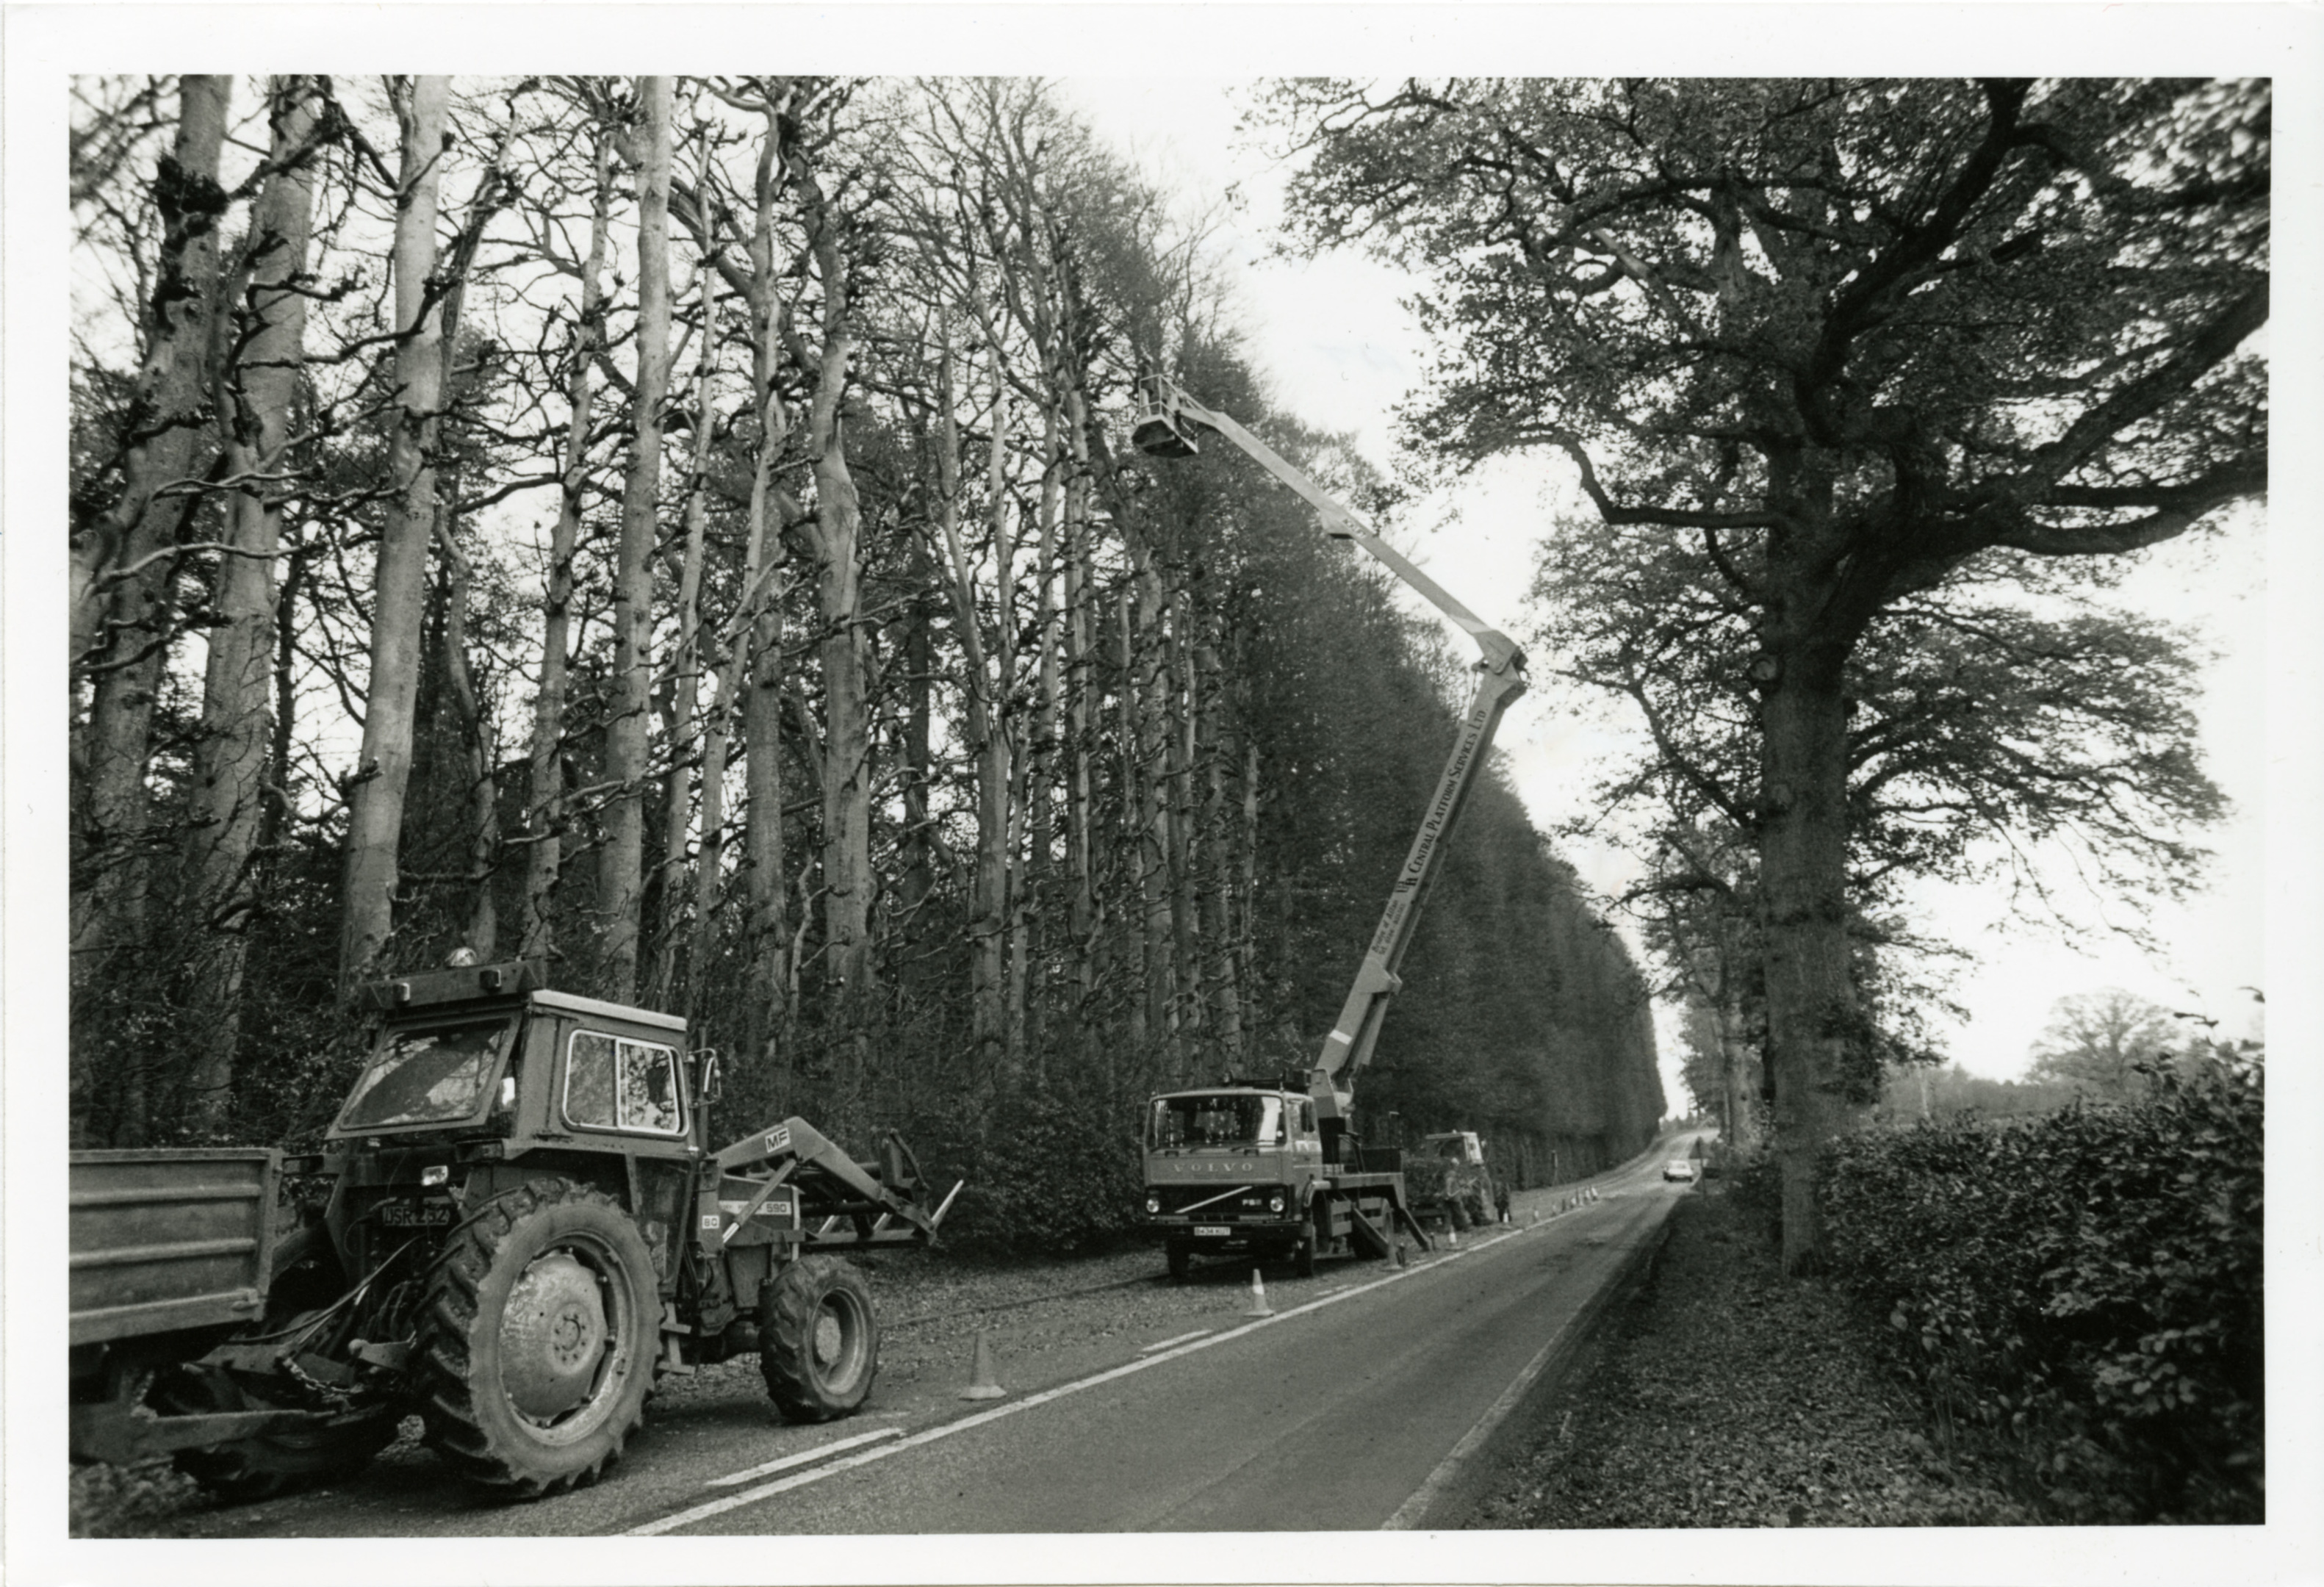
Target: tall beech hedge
[2086,1284]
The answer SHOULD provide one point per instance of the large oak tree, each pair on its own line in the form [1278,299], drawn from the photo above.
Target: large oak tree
[1858,342]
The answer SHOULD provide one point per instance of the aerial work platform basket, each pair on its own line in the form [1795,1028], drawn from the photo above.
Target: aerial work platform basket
[1161,430]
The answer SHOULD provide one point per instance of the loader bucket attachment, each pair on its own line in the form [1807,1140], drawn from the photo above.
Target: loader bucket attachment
[841,1202]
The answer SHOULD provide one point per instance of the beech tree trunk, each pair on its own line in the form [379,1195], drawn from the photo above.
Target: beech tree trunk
[383,767]
[479,745]
[1154,754]
[1216,884]
[987,745]
[620,869]
[545,862]
[230,792]
[838,524]
[685,685]
[120,619]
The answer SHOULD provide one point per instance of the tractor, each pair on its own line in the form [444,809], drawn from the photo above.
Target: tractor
[515,1225]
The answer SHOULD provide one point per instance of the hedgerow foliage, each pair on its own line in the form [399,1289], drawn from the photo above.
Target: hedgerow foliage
[2084,1285]
[1057,1175]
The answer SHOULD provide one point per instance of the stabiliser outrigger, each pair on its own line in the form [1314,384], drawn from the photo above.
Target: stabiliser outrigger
[521,1224]
[1276,1168]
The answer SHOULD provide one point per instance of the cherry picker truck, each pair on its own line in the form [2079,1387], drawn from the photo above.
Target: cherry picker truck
[1276,1167]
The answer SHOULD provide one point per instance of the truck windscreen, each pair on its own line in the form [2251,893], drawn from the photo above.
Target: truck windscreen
[1180,1123]
[425,1076]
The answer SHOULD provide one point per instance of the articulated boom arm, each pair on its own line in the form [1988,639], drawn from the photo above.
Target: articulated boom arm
[1163,430]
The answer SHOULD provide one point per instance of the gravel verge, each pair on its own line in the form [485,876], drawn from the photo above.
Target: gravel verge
[1724,1395]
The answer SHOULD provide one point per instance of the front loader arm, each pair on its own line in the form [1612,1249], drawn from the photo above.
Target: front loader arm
[1162,431]
[796,1152]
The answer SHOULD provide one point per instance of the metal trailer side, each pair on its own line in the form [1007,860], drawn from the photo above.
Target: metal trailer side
[163,1241]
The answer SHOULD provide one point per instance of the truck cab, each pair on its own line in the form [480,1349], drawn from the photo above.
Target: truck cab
[1250,1169]
[1231,1169]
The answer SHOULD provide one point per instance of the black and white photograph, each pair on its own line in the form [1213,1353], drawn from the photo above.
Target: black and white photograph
[1087,793]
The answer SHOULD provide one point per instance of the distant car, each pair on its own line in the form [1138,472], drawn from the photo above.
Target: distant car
[1679,1168]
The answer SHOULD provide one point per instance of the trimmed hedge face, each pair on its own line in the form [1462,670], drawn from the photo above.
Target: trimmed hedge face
[2088,1283]
[1062,1179]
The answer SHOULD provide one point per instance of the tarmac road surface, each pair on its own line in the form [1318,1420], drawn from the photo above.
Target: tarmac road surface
[1370,1398]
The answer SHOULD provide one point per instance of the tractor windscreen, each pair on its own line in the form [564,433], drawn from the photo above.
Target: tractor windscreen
[426,1076]
[1181,1123]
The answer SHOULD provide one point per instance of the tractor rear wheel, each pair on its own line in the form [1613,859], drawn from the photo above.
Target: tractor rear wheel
[818,1340]
[536,1347]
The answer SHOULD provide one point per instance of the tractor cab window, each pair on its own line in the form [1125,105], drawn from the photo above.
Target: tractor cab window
[611,1083]
[428,1077]
[1179,1123]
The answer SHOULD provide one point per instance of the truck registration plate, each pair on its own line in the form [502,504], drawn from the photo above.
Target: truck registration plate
[1212,1230]
[416,1214]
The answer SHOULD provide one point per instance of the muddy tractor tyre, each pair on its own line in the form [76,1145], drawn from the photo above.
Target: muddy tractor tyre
[1456,1214]
[536,1348]
[819,1340]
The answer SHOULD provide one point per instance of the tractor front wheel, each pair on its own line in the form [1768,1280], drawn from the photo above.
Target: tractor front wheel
[537,1345]
[819,1342]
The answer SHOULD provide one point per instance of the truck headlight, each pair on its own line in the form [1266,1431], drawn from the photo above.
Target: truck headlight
[1274,1203]
[1153,1202]
[441,1173]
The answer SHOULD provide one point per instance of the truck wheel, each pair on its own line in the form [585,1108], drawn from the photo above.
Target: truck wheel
[272,1464]
[1181,1262]
[819,1342]
[1303,1257]
[537,1344]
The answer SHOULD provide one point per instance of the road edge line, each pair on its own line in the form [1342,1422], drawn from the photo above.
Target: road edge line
[1413,1514]
[718,1507]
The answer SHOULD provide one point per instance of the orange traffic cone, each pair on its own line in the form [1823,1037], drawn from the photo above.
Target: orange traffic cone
[1452,1238]
[982,1384]
[1259,1306]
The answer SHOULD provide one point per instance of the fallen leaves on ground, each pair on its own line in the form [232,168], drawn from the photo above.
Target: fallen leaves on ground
[1728,1396]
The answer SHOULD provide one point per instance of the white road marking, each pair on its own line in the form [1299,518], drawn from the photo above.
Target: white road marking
[804,1457]
[1410,1513]
[718,1507]
[1167,1343]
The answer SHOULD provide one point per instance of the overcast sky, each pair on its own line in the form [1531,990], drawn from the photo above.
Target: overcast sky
[1339,352]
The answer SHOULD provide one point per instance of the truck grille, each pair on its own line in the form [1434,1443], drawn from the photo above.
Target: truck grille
[1211,1206]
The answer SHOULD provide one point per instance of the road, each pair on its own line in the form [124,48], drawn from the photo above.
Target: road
[1366,1400]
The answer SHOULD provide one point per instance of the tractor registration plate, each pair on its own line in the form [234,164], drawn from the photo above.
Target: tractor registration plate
[416,1214]
[1213,1230]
